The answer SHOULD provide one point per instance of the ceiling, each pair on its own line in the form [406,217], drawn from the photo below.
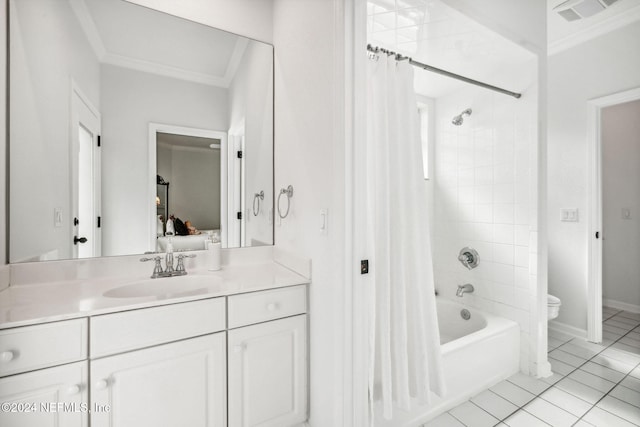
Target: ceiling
[184,141]
[563,34]
[438,35]
[132,36]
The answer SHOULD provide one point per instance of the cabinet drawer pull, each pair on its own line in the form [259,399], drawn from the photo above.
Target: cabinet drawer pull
[7,356]
[272,306]
[102,385]
[74,389]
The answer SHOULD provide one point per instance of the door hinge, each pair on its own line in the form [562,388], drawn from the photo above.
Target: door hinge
[239,215]
[99,222]
[239,154]
[99,140]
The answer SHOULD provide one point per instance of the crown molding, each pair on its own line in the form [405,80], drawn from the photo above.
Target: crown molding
[81,11]
[236,58]
[596,30]
[164,70]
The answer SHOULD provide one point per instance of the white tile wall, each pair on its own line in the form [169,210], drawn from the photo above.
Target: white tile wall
[485,198]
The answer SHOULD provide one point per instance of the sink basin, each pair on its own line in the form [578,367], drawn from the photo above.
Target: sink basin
[166,287]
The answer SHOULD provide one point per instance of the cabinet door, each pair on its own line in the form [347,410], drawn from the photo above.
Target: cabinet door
[172,385]
[50,397]
[268,374]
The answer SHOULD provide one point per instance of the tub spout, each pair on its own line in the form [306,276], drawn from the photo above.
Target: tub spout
[464,289]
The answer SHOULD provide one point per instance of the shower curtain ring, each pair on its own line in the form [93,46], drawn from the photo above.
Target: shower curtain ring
[289,193]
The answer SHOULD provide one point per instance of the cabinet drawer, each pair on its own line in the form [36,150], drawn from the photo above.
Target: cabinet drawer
[130,330]
[34,347]
[255,307]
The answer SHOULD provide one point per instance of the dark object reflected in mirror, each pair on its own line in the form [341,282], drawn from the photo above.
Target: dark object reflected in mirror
[95,87]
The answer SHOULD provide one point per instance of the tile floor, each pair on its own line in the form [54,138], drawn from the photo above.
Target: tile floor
[592,385]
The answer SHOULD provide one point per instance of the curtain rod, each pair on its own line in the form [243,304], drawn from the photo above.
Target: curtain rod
[413,62]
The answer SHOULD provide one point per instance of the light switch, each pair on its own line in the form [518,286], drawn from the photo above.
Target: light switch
[324,221]
[57,217]
[569,215]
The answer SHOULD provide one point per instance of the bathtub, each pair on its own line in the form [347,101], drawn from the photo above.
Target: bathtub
[476,354]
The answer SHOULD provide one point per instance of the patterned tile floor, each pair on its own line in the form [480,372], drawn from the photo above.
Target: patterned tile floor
[592,385]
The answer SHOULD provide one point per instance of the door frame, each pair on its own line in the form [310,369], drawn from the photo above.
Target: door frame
[81,107]
[595,252]
[154,128]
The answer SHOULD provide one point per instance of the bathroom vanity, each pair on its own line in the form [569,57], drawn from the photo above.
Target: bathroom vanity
[231,350]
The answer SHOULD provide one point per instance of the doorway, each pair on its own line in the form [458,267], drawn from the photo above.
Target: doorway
[609,210]
[217,140]
[85,177]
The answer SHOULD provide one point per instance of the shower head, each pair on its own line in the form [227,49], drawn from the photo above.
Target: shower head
[457,120]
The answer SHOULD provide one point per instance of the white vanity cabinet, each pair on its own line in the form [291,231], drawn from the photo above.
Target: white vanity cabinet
[231,361]
[268,361]
[34,390]
[172,385]
[51,397]
[164,366]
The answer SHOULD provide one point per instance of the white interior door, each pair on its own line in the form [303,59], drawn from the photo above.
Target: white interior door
[85,178]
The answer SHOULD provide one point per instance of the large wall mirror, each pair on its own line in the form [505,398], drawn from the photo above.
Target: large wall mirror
[122,117]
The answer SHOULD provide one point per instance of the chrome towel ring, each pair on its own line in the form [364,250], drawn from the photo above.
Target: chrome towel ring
[289,192]
[256,198]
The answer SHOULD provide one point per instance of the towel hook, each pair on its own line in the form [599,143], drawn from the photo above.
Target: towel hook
[289,192]
[256,198]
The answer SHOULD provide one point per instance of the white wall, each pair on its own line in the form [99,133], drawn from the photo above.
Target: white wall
[3,139]
[485,181]
[522,21]
[130,101]
[621,190]
[41,76]
[596,68]
[309,154]
[251,115]
[249,18]
[194,190]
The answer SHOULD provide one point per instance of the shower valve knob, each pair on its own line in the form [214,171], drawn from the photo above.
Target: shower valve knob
[469,258]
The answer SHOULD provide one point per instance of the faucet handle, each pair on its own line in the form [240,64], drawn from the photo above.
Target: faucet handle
[180,267]
[157,268]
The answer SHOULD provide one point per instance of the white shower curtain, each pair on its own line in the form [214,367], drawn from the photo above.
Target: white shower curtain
[405,342]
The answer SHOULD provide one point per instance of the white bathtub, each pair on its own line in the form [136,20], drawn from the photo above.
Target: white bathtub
[476,354]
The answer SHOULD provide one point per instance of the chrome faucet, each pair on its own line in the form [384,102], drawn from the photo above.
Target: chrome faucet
[169,271]
[464,289]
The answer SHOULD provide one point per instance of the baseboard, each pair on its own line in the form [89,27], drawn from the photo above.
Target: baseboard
[554,325]
[621,305]
[5,271]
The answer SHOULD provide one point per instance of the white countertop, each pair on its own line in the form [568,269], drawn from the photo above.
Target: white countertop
[47,302]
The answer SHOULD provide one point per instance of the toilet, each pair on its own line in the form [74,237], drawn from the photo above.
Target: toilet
[553,307]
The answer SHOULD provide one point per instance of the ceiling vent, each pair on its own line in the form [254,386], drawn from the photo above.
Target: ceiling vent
[573,10]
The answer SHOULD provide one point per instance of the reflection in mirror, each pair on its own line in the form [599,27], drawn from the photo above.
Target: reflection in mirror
[105,98]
